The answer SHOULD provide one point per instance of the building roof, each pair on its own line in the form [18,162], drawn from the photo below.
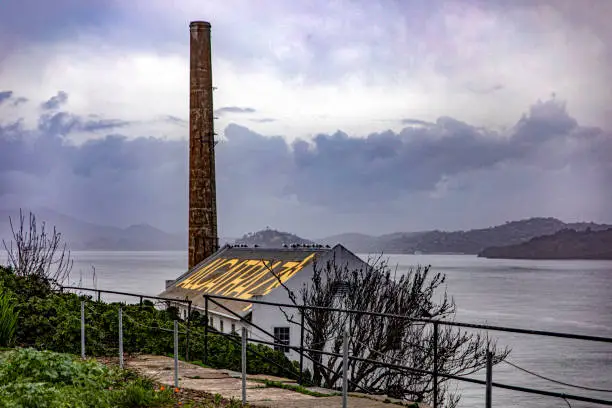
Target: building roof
[242,273]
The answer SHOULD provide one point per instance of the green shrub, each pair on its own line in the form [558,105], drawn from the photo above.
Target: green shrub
[51,321]
[8,319]
[35,379]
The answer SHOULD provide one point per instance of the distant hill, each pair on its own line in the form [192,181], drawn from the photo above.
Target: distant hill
[81,235]
[565,244]
[363,243]
[270,238]
[465,242]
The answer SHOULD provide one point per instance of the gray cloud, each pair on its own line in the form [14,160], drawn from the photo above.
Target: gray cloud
[233,109]
[483,89]
[56,101]
[63,123]
[5,96]
[421,177]
[175,120]
[19,101]
[263,120]
[417,122]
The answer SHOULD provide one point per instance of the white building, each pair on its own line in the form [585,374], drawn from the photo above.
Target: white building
[254,273]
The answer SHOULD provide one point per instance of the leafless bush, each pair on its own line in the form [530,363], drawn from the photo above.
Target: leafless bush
[404,341]
[37,252]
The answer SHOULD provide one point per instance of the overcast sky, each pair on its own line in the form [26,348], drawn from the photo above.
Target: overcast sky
[333,116]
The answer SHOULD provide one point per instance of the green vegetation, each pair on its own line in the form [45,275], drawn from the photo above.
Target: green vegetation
[296,388]
[48,320]
[8,319]
[33,378]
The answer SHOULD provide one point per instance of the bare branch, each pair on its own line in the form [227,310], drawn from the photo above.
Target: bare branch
[37,253]
[419,293]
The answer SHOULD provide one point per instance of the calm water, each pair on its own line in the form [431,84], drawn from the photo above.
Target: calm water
[568,296]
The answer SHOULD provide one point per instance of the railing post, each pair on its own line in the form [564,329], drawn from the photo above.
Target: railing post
[301,382]
[83,329]
[176,354]
[120,337]
[345,349]
[188,331]
[206,329]
[140,301]
[99,296]
[489,393]
[244,364]
[435,368]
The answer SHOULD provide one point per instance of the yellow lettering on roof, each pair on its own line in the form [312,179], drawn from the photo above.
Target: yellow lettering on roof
[210,285]
[289,269]
[191,281]
[246,290]
[242,273]
[242,278]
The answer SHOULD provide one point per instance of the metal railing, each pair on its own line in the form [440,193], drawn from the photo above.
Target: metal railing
[142,297]
[304,352]
[435,373]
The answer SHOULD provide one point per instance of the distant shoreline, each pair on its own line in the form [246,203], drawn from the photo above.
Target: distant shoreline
[366,254]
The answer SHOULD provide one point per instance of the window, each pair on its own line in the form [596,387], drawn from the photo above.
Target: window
[340,288]
[282,334]
[221,325]
[233,328]
[212,322]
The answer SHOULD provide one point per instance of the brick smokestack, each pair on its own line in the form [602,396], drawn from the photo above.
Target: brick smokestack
[203,240]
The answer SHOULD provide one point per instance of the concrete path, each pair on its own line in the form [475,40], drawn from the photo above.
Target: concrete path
[229,385]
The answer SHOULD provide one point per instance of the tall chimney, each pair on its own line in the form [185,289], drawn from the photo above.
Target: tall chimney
[203,240]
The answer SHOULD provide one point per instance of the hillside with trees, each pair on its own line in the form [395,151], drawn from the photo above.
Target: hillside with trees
[565,244]
[270,238]
[465,242]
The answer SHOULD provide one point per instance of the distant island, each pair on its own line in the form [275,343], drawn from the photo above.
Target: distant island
[270,238]
[459,242]
[565,244]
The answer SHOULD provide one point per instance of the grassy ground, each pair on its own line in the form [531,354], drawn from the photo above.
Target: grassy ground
[33,379]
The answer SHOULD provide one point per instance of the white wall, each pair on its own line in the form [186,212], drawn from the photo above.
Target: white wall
[268,317]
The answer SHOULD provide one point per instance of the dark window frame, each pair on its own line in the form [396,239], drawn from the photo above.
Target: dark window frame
[283,334]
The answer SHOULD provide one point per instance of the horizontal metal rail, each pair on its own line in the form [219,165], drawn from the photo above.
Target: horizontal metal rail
[114,292]
[421,320]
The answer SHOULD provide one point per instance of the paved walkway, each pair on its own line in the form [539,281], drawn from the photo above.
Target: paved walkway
[229,385]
